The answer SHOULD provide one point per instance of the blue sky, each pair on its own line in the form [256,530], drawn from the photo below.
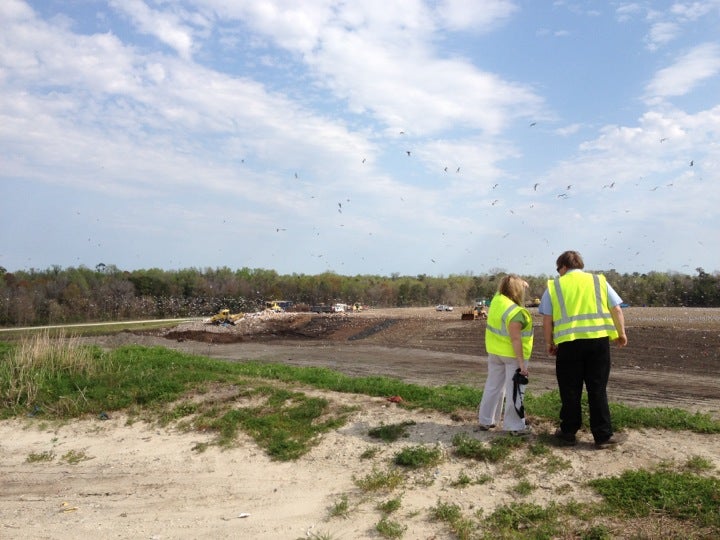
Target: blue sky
[375,137]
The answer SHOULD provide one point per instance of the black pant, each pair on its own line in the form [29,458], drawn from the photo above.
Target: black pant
[584,361]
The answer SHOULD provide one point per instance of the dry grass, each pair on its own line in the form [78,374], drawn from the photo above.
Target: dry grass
[34,360]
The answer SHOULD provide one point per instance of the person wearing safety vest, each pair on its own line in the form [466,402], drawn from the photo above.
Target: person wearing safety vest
[581,315]
[508,342]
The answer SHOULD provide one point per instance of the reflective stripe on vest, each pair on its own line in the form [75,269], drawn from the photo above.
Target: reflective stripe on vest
[593,319]
[497,335]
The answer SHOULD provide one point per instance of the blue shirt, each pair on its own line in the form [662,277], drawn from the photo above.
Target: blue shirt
[545,307]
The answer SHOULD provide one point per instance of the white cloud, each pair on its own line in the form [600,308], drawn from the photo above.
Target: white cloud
[626,12]
[701,63]
[660,34]
[482,16]
[378,55]
[164,26]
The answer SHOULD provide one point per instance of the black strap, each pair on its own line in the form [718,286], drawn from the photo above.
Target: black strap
[519,381]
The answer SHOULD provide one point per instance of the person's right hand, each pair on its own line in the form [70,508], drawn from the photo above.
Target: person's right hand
[621,341]
[552,349]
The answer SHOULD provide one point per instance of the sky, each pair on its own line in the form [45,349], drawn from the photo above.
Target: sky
[410,137]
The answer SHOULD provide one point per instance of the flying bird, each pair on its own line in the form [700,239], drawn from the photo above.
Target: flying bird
[536,186]
[692,162]
[408,152]
[533,124]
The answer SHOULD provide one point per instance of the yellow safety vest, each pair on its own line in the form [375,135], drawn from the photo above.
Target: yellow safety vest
[580,307]
[497,335]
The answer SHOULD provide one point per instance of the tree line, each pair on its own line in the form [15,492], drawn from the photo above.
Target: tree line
[106,293]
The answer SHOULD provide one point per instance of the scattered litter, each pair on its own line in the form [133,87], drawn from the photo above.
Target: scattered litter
[66,508]
[241,515]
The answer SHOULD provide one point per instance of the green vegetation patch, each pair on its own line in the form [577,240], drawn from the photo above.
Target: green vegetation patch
[418,457]
[510,520]
[680,495]
[496,450]
[391,432]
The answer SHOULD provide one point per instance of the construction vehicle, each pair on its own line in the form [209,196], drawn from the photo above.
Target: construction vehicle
[225,317]
[475,313]
[278,306]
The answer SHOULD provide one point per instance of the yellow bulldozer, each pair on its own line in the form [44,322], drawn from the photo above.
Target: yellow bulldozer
[225,317]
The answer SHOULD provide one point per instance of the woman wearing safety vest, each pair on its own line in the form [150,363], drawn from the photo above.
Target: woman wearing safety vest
[581,315]
[508,341]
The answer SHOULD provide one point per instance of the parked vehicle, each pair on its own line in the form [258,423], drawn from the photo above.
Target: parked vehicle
[443,307]
[321,308]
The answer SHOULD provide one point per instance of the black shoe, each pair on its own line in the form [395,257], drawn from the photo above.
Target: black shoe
[612,441]
[565,439]
[483,427]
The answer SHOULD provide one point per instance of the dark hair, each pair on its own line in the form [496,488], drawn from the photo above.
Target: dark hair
[570,260]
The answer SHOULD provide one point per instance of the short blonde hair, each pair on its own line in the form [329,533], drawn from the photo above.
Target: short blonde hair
[513,286]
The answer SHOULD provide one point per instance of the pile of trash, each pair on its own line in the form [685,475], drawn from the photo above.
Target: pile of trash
[234,327]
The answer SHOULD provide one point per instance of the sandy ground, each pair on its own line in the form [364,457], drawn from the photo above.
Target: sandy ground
[140,481]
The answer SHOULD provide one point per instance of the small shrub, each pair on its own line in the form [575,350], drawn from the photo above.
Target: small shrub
[370,453]
[698,464]
[524,488]
[379,480]
[418,457]
[389,506]
[515,517]
[447,512]
[391,432]
[390,529]
[75,456]
[341,508]
[47,455]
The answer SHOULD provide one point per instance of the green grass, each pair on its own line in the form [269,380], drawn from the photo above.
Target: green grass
[340,508]
[50,379]
[496,450]
[451,514]
[378,480]
[388,528]
[391,432]
[40,457]
[676,494]
[390,506]
[418,457]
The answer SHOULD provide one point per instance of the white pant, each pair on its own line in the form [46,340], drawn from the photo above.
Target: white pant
[499,388]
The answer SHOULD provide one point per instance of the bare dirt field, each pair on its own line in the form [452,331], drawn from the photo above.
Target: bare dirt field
[672,358]
[111,479]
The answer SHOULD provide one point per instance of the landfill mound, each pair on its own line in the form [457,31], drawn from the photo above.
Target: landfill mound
[272,325]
